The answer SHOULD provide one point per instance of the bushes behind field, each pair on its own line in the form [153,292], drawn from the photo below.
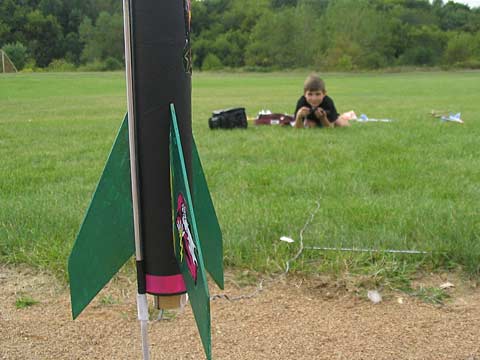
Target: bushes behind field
[345,35]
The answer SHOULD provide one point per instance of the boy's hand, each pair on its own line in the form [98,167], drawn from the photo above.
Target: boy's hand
[320,113]
[304,111]
[322,116]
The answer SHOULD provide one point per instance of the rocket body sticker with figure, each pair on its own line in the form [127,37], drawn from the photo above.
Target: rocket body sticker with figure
[187,246]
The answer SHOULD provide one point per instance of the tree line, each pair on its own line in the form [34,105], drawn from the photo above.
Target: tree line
[253,34]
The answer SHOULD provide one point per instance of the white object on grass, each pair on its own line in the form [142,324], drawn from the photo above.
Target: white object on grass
[453,118]
[287,239]
[447,285]
[374,296]
[365,118]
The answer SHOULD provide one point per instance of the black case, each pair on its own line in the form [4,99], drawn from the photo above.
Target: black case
[228,119]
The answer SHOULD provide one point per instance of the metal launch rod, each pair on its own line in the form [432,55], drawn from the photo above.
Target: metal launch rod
[142,303]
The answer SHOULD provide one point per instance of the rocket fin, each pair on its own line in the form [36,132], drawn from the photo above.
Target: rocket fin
[187,245]
[209,231]
[106,237]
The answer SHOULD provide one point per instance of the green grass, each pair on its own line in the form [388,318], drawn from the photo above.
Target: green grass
[108,300]
[431,295]
[24,302]
[410,184]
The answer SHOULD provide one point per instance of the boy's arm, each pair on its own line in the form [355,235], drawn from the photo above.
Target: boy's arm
[299,116]
[298,121]
[322,116]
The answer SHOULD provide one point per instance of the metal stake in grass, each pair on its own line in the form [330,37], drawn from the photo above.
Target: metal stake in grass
[387,251]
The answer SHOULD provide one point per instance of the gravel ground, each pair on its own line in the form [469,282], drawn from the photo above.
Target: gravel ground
[297,318]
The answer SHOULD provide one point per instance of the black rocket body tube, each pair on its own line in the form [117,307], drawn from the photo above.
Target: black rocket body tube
[161,74]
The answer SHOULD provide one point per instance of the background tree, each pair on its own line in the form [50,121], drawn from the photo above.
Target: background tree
[17,53]
[460,48]
[44,36]
[325,34]
[425,46]
[104,39]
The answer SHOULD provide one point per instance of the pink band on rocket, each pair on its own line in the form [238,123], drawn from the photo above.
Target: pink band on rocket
[165,285]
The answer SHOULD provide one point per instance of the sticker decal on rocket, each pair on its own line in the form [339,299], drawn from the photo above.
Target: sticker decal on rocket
[187,246]
[187,50]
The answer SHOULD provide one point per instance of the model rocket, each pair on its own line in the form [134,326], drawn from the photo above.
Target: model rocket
[152,198]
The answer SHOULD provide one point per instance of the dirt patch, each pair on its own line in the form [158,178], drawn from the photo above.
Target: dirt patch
[289,319]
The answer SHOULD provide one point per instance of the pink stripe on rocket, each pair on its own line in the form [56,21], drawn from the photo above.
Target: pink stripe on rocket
[165,285]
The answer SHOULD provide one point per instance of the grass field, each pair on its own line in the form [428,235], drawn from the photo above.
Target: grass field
[410,184]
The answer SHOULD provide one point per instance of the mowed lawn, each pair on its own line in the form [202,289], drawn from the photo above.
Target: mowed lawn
[410,184]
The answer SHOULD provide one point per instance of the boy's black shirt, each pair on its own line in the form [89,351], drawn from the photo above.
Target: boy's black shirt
[327,105]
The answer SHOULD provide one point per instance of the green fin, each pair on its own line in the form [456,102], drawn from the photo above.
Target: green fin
[197,287]
[208,227]
[106,238]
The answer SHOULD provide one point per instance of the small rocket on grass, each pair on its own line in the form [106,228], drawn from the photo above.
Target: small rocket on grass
[152,198]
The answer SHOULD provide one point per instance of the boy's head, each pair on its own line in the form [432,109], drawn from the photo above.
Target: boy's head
[314,90]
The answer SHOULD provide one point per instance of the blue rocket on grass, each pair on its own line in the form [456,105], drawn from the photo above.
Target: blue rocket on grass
[152,198]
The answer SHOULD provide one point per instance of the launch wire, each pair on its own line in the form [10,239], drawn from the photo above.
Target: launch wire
[260,286]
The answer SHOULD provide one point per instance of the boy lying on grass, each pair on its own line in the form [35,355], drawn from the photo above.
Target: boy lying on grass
[316,108]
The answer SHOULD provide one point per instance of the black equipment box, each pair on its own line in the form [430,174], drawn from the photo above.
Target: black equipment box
[228,119]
